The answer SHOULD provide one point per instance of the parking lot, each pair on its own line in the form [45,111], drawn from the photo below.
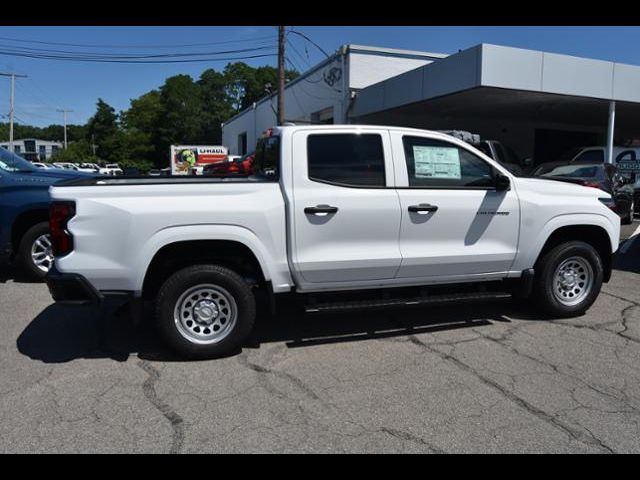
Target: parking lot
[475,378]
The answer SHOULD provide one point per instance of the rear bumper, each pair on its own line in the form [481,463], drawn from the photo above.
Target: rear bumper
[71,288]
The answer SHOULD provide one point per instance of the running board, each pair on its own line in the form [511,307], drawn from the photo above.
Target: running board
[405,302]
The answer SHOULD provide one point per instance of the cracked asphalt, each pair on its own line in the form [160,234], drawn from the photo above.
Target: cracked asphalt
[475,378]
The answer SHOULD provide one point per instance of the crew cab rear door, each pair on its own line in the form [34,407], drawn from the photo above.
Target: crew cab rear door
[345,211]
[455,224]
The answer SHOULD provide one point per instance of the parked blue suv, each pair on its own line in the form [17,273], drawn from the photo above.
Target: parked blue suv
[24,213]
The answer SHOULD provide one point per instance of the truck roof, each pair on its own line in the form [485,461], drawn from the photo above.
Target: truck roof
[285,128]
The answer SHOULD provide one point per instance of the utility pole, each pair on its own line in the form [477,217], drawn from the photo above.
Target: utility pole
[64,112]
[13,87]
[281,40]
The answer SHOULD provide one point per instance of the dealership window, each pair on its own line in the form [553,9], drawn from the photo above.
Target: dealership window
[54,149]
[242,143]
[434,163]
[346,159]
[324,116]
[42,150]
[30,146]
[16,148]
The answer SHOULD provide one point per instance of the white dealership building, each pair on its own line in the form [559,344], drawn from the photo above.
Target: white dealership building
[539,103]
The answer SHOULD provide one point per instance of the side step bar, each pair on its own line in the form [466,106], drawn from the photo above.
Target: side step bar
[405,302]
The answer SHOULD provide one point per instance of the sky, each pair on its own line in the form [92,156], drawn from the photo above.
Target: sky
[56,84]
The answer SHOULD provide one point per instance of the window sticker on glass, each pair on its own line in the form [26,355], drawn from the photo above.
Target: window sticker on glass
[436,162]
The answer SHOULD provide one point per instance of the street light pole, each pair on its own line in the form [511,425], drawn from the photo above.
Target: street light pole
[64,112]
[13,77]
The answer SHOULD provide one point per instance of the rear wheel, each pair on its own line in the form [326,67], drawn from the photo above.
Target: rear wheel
[205,311]
[568,279]
[34,253]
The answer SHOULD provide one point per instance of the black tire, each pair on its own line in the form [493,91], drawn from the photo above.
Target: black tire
[25,261]
[545,278]
[183,280]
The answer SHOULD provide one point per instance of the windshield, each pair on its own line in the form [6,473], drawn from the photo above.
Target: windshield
[11,162]
[577,171]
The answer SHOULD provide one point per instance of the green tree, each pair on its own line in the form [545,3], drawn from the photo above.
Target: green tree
[215,106]
[103,131]
[77,152]
[246,84]
[181,119]
[181,111]
[140,125]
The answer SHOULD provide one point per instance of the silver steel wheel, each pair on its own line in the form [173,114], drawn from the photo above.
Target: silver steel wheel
[41,252]
[205,314]
[573,281]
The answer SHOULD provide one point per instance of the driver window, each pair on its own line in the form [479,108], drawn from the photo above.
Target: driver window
[439,164]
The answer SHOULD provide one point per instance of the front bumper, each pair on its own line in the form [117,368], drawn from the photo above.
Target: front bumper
[71,288]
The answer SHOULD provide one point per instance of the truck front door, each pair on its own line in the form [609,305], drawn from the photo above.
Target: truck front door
[455,224]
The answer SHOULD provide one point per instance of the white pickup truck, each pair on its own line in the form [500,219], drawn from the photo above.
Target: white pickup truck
[344,217]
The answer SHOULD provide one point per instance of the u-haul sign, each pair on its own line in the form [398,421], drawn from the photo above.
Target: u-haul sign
[187,159]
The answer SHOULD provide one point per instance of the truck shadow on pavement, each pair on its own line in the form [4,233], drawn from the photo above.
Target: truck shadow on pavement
[62,334]
[10,273]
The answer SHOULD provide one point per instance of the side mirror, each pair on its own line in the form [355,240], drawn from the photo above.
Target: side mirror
[502,182]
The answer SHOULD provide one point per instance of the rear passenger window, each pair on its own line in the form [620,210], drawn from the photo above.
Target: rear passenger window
[346,159]
[435,163]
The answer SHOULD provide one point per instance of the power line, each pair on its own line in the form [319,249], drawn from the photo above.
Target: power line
[300,34]
[295,50]
[35,115]
[89,45]
[55,54]
[139,62]
[258,46]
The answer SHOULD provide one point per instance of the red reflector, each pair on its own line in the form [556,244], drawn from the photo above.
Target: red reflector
[59,215]
[586,183]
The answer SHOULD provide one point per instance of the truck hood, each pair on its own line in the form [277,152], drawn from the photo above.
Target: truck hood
[44,177]
[560,187]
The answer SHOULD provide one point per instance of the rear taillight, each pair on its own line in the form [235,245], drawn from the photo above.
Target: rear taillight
[59,215]
[587,183]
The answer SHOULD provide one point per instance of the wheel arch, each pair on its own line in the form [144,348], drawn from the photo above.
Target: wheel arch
[179,254]
[24,221]
[594,235]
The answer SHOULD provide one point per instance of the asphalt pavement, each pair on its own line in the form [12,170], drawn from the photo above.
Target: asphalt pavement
[474,378]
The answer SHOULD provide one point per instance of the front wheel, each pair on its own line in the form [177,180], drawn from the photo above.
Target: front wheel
[205,311]
[568,279]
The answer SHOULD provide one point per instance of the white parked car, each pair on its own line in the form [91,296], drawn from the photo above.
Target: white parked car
[111,169]
[343,217]
[89,168]
[65,165]
[42,165]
